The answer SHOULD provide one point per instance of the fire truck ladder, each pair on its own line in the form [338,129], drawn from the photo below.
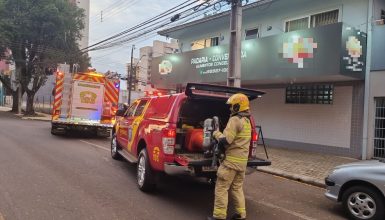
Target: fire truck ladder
[67,90]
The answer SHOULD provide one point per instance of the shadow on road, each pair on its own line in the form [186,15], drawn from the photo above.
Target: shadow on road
[190,194]
[81,135]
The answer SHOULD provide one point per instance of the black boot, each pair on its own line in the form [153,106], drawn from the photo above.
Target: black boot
[237,216]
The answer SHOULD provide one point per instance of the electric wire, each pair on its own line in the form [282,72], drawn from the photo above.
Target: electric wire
[116,11]
[172,10]
[121,40]
[112,7]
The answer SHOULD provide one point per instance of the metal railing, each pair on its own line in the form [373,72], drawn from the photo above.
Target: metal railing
[379,129]
[41,104]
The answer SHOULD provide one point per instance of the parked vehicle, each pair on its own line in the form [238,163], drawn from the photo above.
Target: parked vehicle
[360,187]
[164,134]
[86,102]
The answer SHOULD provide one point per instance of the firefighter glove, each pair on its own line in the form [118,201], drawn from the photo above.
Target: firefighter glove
[217,135]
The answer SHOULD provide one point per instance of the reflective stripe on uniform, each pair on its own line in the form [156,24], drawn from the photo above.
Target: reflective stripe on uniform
[246,131]
[245,136]
[241,210]
[236,159]
[231,133]
[218,212]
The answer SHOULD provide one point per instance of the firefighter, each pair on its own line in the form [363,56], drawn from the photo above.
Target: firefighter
[235,140]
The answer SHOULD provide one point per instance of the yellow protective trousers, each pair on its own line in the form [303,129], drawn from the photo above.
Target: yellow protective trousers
[229,180]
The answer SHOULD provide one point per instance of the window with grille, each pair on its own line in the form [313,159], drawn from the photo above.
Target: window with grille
[309,94]
[379,129]
[297,24]
[251,34]
[314,20]
[330,17]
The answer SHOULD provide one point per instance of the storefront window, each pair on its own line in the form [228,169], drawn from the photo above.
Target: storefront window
[309,94]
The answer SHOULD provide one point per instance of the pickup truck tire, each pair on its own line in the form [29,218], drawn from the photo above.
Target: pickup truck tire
[363,202]
[54,130]
[114,148]
[145,175]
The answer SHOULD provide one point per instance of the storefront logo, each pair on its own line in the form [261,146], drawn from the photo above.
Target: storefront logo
[296,49]
[165,67]
[354,49]
[87,97]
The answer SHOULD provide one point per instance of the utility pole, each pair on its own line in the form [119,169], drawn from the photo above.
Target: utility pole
[129,86]
[234,72]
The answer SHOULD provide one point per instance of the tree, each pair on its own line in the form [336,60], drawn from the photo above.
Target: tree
[40,34]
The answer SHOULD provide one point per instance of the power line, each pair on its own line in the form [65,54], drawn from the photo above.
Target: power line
[181,21]
[111,7]
[119,10]
[172,10]
[123,39]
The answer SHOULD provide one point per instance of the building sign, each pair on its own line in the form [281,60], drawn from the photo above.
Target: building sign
[297,49]
[353,50]
[317,53]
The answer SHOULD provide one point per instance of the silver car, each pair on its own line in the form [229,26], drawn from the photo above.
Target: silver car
[360,187]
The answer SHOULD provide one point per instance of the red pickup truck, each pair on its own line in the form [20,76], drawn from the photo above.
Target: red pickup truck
[165,133]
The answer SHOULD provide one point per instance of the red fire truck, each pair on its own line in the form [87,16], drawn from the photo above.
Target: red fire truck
[164,134]
[85,101]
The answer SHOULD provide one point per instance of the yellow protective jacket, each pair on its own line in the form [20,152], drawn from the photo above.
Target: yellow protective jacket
[238,136]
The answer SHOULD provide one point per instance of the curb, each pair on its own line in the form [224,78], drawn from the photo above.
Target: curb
[291,176]
[35,119]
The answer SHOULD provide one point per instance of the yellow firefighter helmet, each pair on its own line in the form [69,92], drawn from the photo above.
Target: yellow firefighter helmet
[239,103]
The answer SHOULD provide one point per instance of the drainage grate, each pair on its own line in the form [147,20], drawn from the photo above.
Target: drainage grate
[379,129]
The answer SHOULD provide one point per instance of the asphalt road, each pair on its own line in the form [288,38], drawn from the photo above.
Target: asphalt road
[52,177]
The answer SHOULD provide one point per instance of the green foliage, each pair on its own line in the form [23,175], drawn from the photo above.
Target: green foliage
[40,34]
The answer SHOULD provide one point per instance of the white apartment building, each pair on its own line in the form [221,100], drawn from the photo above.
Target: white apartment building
[84,4]
[159,48]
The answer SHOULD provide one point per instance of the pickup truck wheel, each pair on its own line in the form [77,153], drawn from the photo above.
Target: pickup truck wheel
[363,202]
[53,130]
[114,148]
[145,177]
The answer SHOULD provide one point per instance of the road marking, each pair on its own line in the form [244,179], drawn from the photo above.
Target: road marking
[95,145]
[270,205]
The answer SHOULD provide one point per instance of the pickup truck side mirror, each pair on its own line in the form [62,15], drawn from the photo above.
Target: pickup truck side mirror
[120,112]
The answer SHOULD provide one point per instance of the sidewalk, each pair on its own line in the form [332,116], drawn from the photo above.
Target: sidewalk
[307,167]
[40,116]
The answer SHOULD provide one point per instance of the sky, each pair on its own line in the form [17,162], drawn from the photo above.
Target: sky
[119,15]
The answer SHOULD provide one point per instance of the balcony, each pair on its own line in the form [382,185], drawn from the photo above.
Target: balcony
[328,53]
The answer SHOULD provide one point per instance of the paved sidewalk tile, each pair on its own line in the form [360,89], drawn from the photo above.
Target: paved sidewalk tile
[40,116]
[5,109]
[308,167]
